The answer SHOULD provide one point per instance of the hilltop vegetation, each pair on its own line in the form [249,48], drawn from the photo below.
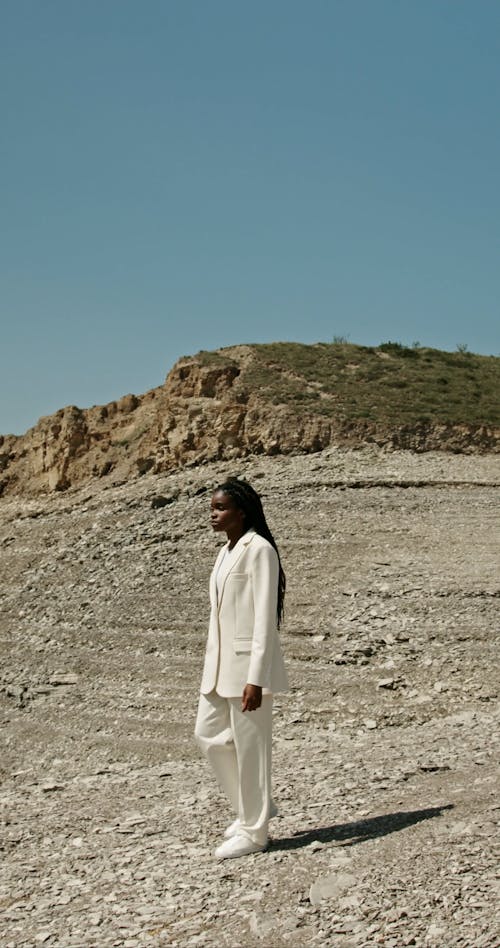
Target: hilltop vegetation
[390,384]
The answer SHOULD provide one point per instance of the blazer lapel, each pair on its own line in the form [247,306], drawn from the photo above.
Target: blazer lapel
[213,577]
[228,566]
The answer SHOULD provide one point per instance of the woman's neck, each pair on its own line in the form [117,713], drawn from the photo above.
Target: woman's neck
[233,538]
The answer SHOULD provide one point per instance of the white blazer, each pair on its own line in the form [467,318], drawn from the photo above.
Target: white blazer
[243,644]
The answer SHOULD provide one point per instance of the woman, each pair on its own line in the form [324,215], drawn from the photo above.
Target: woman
[243,664]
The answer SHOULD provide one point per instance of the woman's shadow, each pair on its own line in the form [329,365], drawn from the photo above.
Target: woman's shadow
[349,834]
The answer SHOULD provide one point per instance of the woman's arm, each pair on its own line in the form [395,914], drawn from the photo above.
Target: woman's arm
[265,574]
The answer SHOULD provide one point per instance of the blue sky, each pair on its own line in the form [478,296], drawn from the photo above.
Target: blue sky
[180,175]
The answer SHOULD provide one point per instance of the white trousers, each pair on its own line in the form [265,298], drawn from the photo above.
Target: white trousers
[238,747]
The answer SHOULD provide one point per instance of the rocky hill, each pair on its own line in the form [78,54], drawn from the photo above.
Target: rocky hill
[282,398]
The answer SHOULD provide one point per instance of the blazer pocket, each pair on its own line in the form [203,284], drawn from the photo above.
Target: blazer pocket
[243,629]
[242,646]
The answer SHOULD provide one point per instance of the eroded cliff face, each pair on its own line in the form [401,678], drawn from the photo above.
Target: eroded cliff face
[204,411]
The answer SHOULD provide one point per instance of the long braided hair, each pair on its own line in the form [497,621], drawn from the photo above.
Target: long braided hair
[248,500]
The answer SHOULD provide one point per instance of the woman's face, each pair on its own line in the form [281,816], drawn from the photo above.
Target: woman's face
[224,514]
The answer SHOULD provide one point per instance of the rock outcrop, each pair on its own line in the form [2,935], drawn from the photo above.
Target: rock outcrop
[210,407]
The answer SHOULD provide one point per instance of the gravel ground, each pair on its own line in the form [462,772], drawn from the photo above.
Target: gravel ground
[384,767]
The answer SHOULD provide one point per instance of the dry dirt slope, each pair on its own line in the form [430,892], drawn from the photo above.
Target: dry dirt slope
[384,749]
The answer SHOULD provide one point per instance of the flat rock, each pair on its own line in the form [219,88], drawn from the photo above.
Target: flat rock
[332,886]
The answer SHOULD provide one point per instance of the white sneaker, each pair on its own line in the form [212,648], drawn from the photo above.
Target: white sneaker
[233,828]
[238,846]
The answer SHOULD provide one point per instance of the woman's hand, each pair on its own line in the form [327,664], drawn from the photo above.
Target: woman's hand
[251,698]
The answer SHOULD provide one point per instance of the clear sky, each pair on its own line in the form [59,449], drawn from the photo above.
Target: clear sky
[180,175]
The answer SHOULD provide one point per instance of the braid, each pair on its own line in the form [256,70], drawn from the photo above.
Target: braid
[248,500]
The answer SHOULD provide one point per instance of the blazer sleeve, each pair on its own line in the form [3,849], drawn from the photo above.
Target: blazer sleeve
[265,576]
